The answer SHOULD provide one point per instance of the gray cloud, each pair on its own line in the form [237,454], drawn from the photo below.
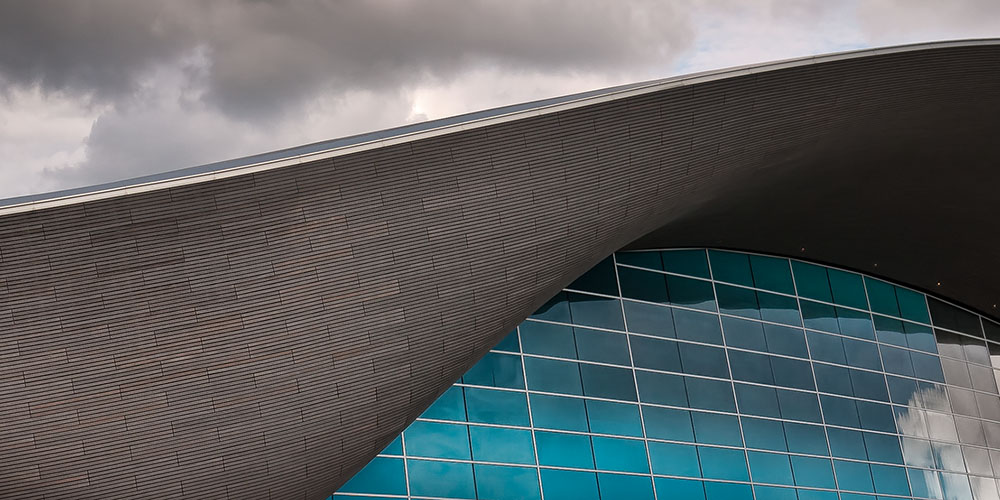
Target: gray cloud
[265,56]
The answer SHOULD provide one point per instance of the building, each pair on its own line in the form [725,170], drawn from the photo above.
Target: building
[263,328]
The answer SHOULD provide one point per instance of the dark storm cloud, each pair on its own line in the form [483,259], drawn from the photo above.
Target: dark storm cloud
[264,56]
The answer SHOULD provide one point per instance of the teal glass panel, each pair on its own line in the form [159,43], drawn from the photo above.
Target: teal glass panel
[811,281]
[607,417]
[608,382]
[599,279]
[840,411]
[723,463]
[569,484]
[674,459]
[786,341]
[869,385]
[902,390]
[661,388]
[602,347]
[757,400]
[912,305]
[690,292]
[437,440]
[889,330]
[648,260]
[829,348]
[731,267]
[705,394]
[817,495]
[395,447]
[862,354]
[679,489]
[549,375]
[499,444]
[381,476]
[919,337]
[496,370]
[744,333]
[772,273]
[621,455]
[955,486]
[441,479]
[890,480]
[812,472]
[876,417]
[668,423]
[833,379]
[703,360]
[805,438]
[774,493]
[687,262]
[818,316]
[548,339]
[926,366]
[564,450]
[882,296]
[509,343]
[897,361]
[497,482]
[655,354]
[600,312]
[779,309]
[557,412]
[622,487]
[700,327]
[648,286]
[853,476]
[792,373]
[924,483]
[449,406]
[855,323]
[848,289]
[801,406]
[771,468]
[883,448]
[727,491]
[737,301]
[764,434]
[713,428]
[496,407]
[845,443]
[649,319]
[556,309]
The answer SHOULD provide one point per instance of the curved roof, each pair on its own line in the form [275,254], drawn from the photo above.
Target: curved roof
[262,331]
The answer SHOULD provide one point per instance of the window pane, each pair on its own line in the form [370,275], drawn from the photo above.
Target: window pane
[608,382]
[450,406]
[774,493]
[703,360]
[622,487]
[691,292]
[599,279]
[556,309]
[897,361]
[737,301]
[814,472]
[757,400]
[712,428]
[869,385]
[496,370]
[553,376]
[882,296]
[564,450]
[496,482]
[883,448]
[655,354]
[548,339]
[649,319]
[496,407]
[811,281]
[437,440]
[700,327]
[727,491]
[876,417]
[772,273]
[744,333]
[602,347]
[805,438]
[674,459]
[643,285]
[498,444]
[647,259]
[679,489]
[848,289]
[840,411]
[689,262]
[569,484]
[623,455]
[710,394]
[862,354]
[556,412]
[440,479]
[889,330]
[827,348]
[764,434]
[912,305]
[855,324]
[731,267]
[890,480]
[771,468]
[667,423]
[792,373]
[833,379]
[853,476]
[661,388]
[779,309]
[787,341]
[846,443]
[723,463]
[380,476]
[509,343]
[751,367]
[600,312]
[796,405]
[614,418]
[818,316]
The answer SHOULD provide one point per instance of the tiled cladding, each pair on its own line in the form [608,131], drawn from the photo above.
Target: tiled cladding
[709,374]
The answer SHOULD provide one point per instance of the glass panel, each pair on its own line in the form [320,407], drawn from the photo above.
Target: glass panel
[771,468]
[649,319]
[600,312]
[549,375]
[853,476]
[848,289]
[745,334]
[496,482]
[380,476]
[764,434]
[727,491]
[713,428]
[757,400]
[890,480]
[771,273]
[731,267]
[700,327]
[674,459]
[661,388]
[787,341]
[548,339]
[509,343]
[703,360]
[846,443]
[667,423]
[622,487]
[496,407]
[691,292]
[689,262]
[779,309]
[737,301]
[912,305]
[498,444]
[643,285]
[556,309]
[608,382]
[805,438]
[811,281]
[450,406]
[862,354]
[953,318]
[496,370]
[812,472]
[599,279]
[882,296]
[557,412]
[796,405]
[569,484]
[564,450]
[723,463]
[614,418]
[649,260]
[655,354]
[440,479]
[710,394]
[437,440]
[622,455]
[679,489]
[602,347]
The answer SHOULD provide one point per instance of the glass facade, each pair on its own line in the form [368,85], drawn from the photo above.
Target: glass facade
[711,375]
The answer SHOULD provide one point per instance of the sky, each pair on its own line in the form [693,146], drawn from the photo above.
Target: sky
[94,91]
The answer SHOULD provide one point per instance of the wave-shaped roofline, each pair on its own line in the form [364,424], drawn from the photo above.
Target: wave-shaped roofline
[406,133]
